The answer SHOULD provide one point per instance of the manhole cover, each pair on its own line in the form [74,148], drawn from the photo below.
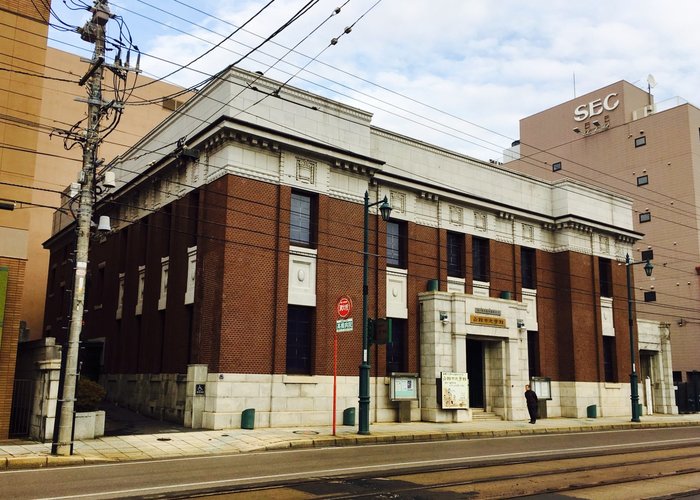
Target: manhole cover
[306,433]
[163,439]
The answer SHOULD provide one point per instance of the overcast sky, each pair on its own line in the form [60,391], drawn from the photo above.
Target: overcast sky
[457,73]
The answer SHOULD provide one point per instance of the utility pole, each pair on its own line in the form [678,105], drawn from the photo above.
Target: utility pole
[94,32]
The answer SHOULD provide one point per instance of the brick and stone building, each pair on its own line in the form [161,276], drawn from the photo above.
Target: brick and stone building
[238,224]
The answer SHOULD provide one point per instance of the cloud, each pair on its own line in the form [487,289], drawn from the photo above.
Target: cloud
[484,64]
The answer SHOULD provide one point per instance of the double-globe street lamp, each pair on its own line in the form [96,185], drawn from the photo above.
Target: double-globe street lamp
[385,210]
[648,268]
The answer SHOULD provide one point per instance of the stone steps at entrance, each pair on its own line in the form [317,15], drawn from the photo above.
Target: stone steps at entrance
[481,415]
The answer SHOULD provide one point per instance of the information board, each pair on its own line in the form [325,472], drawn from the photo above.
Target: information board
[455,390]
[404,386]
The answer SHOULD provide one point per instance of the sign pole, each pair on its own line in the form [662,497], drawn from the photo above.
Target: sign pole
[343,323]
[335,376]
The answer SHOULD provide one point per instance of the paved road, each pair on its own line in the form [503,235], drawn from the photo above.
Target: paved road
[133,479]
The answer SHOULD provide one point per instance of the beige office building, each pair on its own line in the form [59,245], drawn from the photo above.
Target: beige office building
[38,92]
[618,138]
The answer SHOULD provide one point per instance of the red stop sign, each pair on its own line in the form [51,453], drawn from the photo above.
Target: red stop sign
[344,307]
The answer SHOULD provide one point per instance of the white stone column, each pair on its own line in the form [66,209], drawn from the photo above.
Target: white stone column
[45,400]
[439,348]
[515,378]
[194,402]
[664,393]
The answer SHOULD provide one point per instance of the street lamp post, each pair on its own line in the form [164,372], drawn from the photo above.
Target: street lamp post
[634,388]
[385,210]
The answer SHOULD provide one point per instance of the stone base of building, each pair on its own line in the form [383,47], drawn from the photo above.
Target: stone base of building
[160,396]
[203,400]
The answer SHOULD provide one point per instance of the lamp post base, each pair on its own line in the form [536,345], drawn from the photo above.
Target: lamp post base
[364,399]
[634,390]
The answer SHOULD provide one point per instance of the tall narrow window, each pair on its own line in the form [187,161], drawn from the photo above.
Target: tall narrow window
[120,296]
[140,288]
[191,274]
[396,246]
[605,277]
[533,357]
[98,297]
[480,258]
[396,350]
[299,334]
[301,221]
[609,358]
[528,267]
[164,271]
[455,254]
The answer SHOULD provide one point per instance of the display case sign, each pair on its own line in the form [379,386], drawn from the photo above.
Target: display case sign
[542,387]
[404,386]
[455,390]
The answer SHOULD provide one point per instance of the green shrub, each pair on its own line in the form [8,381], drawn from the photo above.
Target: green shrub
[88,395]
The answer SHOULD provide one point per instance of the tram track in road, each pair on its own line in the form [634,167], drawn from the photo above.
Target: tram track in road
[665,473]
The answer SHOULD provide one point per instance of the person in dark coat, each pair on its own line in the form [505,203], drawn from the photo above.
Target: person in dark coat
[531,400]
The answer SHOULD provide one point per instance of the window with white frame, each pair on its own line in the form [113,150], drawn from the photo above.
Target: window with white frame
[164,267]
[191,274]
[141,286]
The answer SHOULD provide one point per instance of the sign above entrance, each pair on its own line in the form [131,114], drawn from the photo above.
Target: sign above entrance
[484,310]
[476,319]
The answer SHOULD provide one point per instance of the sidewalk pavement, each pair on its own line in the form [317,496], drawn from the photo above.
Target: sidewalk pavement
[18,454]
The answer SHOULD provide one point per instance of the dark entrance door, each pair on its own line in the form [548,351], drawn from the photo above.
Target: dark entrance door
[21,414]
[475,371]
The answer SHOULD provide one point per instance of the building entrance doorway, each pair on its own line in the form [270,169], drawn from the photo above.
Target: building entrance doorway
[475,371]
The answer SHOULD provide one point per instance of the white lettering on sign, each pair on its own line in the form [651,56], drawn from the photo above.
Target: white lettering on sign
[596,107]
[343,325]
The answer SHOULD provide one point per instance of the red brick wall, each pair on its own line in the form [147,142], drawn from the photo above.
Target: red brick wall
[424,257]
[10,337]
[249,280]
[549,303]
[587,336]
[502,270]
[210,272]
[339,272]
[621,323]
